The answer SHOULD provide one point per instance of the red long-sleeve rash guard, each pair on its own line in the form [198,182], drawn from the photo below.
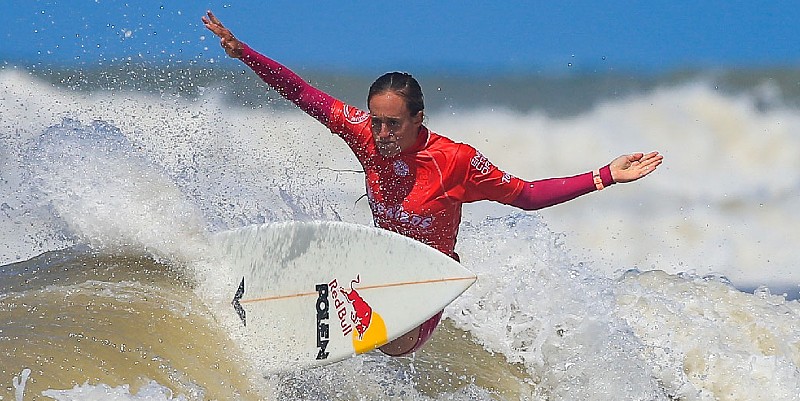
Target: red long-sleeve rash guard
[419,193]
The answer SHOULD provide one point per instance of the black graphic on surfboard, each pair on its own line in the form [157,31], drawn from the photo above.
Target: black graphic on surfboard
[238,306]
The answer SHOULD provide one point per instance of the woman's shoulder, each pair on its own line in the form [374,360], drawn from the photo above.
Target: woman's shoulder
[446,145]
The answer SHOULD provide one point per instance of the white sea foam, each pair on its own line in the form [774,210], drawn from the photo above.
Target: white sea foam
[19,384]
[152,391]
[649,335]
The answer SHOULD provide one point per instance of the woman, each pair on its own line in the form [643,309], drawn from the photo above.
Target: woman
[417,180]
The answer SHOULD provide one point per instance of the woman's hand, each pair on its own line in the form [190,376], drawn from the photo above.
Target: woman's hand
[228,42]
[627,168]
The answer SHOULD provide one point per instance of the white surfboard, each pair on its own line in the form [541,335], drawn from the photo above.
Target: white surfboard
[314,293]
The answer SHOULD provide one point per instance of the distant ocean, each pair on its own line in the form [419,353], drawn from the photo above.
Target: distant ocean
[681,286]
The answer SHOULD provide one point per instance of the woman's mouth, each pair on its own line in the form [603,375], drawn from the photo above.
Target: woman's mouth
[388,148]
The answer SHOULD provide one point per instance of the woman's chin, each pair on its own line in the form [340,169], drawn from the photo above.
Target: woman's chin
[391,150]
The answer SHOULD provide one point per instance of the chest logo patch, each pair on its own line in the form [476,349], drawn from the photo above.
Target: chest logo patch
[400,168]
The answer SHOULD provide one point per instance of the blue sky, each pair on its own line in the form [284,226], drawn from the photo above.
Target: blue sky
[465,36]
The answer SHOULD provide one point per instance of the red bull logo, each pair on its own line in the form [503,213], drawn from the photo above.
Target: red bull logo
[357,318]
[362,312]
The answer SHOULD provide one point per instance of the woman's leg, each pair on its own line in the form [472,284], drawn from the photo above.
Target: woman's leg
[414,339]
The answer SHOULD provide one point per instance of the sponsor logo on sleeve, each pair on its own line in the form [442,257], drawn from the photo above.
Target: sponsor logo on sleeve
[354,115]
[481,163]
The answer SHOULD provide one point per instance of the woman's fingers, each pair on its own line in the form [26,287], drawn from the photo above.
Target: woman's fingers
[214,25]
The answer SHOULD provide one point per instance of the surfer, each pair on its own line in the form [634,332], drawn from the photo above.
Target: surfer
[416,179]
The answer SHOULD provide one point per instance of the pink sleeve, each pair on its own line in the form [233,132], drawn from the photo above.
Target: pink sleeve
[289,85]
[544,193]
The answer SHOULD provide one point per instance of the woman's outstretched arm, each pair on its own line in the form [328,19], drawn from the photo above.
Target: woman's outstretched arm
[552,191]
[288,84]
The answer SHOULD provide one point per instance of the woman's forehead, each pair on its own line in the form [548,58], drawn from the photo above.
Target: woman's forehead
[388,104]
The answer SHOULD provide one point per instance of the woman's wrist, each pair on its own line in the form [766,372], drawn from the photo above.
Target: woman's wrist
[602,177]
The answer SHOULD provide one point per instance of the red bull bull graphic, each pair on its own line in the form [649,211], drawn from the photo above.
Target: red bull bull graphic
[357,318]
[362,312]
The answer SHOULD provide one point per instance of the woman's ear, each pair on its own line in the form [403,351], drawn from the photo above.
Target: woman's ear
[419,117]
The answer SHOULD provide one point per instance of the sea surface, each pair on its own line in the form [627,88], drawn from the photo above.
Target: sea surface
[681,286]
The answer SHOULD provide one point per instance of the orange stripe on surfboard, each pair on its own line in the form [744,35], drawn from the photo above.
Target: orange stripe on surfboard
[368,287]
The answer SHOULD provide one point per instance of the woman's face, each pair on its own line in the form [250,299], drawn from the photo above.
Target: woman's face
[393,127]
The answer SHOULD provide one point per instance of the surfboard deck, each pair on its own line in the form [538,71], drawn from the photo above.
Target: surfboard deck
[313,293]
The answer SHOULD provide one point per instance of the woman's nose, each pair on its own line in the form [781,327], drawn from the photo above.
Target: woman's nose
[382,131]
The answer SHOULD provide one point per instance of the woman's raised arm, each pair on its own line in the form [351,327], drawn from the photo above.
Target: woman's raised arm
[288,84]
